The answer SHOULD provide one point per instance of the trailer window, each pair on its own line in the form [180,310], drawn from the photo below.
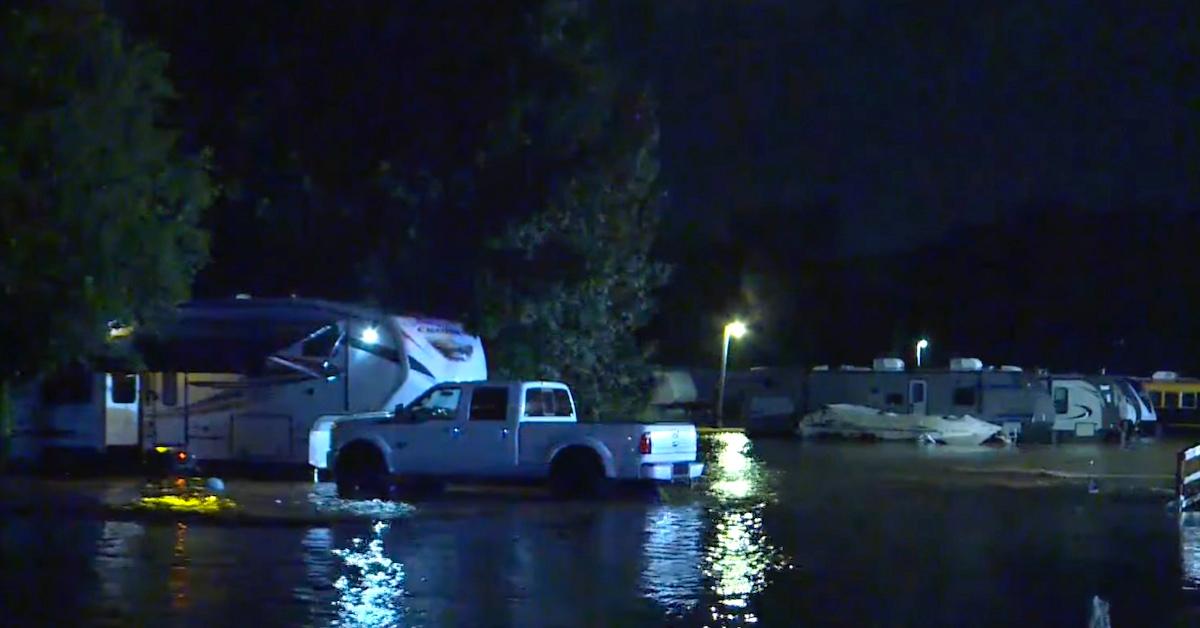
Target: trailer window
[562,403]
[1060,401]
[170,391]
[1156,399]
[964,396]
[71,384]
[321,343]
[1187,400]
[489,404]
[124,388]
[1171,400]
[894,399]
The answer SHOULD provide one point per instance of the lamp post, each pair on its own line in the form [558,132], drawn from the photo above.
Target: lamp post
[922,345]
[735,329]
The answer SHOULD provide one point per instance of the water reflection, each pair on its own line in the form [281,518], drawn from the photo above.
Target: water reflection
[371,589]
[1189,549]
[178,579]
[738,558]
[116,553]
[672,574]
[734,474]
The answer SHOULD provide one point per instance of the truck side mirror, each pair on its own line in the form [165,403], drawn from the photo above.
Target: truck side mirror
[404,415]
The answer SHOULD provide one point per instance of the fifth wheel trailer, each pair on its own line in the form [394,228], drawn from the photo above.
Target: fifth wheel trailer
[243,380]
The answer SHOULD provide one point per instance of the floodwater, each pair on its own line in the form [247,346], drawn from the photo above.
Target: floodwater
[781,533]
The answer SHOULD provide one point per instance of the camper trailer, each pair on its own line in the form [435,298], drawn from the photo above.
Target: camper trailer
[76,414]
[1038,407]
[244,380]
[1006,396]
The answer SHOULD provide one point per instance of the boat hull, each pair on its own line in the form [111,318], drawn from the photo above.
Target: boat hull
[849,421]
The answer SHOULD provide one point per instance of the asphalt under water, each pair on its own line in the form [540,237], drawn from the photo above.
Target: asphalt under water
[781,533]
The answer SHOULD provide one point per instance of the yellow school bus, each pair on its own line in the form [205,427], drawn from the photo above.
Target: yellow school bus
[1175,399]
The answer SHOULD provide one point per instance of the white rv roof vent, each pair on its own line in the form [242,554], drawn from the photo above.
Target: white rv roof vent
[888,364]
[851,367]
[1165,375]
[242,296]
[821,367]
[1010,368]
[966,364]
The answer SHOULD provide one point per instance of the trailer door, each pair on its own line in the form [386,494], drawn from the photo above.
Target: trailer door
[120,409]
[916,397]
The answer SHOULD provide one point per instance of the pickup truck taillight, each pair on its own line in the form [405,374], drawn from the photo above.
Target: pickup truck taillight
[644,444]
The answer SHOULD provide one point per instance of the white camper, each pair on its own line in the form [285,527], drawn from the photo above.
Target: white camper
[79,412]
[244,380]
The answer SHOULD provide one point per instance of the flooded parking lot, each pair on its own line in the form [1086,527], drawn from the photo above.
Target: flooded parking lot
[781,533]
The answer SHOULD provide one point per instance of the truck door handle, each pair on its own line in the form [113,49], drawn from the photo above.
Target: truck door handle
[454,431]
[503,433]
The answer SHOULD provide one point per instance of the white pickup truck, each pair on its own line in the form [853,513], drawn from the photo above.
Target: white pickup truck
[495,431]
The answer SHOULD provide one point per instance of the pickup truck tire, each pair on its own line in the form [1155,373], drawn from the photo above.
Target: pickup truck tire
[577,472]
[360,472]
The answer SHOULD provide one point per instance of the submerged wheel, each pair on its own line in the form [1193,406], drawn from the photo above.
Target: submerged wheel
[360,472]
[577,472]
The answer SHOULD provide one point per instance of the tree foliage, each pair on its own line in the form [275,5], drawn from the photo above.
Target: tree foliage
[98,205]
[583,280]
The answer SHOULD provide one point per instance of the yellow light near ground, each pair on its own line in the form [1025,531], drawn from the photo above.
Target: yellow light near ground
[161,450]
[206,504]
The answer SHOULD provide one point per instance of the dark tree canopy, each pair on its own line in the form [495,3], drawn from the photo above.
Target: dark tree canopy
[98,205]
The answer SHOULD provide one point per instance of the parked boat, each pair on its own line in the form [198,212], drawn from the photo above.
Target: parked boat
[855,421]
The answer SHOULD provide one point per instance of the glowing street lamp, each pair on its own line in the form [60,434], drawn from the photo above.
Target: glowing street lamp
[735,329]
[922,345]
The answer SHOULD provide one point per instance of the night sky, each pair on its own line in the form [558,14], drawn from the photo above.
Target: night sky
[1016,180]
[912,117]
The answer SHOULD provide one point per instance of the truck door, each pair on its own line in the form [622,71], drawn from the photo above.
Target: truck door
[486,443]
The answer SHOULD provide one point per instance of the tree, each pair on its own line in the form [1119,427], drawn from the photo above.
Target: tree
[579,280]
[98,204]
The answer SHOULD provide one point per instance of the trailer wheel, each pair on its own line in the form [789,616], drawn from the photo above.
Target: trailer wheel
[360,472]
[577,472]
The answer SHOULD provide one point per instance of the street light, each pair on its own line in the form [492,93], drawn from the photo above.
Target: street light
[922,345]
[735,329]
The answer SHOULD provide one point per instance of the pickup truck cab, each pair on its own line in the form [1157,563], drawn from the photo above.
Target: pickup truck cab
[504,431]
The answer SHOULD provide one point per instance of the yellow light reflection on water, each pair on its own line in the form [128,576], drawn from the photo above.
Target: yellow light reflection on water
[738,557]
[734,474]
[178,579]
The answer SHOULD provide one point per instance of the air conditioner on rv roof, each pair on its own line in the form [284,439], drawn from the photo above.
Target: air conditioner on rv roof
[966,364]
[1010,368]
[1165,375]
[888,364]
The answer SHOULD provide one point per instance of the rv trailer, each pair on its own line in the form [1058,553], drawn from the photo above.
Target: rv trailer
[78,414]
[244,380]
[1007,396]
[1027,406]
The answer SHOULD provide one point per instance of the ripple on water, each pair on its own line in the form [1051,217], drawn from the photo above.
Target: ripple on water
[323,498]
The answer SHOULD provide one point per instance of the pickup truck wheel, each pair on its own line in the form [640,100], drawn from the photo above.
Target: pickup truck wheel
[577,472]
[360,473]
